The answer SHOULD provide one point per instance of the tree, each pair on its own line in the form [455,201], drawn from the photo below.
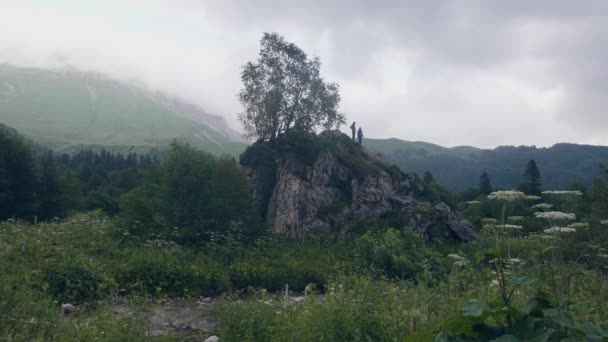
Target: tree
[485,186]
[600,195]
[50,193]
[531,184]
[17,176]
[284,91]
[428,177]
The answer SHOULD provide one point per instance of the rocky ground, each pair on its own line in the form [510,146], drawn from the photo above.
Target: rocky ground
[190,319]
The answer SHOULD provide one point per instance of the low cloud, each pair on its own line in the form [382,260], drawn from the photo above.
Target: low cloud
[482,73]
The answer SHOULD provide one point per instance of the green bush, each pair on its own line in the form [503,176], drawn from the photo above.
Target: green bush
[154,272]
[353,309]
[397,254]
[74,283]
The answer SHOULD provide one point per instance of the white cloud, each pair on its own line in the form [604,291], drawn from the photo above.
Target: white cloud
[474,73]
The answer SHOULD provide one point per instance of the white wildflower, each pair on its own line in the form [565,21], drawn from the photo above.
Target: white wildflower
[542,206]
[489,220]
[473,202]
[511,226]
[508,196]
[575,193]
[560,230]
[455,256]
[515,218]
[515,260]
[579,225]
[555,215]
[604,222]
[532,198]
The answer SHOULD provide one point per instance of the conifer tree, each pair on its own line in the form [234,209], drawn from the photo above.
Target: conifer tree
[532,179]
[428,177]
[485,186]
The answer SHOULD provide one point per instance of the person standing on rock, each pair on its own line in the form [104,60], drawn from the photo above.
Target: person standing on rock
[360,135]
[353,128]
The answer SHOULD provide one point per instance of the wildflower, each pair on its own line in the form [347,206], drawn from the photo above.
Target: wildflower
[489,220]
[489,226]
[461,263]
[515,218]
[575,193]
[555,215]
[604,222]
[542,206]
[605,256]
[507,196]
[515,260]
[473,202]
[455,256]
[579,225]
[532,198]
[560,230]
[511,226]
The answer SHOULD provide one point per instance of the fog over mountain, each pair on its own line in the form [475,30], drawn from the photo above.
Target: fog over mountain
[453,73]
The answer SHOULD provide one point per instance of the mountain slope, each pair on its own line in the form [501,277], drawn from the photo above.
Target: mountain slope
[460,167]
[66,110]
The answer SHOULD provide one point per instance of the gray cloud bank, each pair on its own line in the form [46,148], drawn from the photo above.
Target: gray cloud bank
[482,73]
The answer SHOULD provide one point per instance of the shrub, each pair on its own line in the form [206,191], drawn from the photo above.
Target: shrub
[398,254]
[75,283]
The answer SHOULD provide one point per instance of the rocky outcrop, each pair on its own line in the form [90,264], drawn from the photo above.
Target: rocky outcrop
[308,184]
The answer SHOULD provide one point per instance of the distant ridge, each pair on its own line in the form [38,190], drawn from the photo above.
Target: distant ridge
[460,167]
[68,109]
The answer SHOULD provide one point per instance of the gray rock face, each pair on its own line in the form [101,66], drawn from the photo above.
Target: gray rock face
[327,182]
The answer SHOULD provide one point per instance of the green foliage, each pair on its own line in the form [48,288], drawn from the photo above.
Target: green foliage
[284,91]
[397,254]
[195,193]
[75,283]
[275,262]
[459,168]
[353,309]
[600,195]
[18,180]
[531,184]
[485,186]
[435,193]
[428,177]
[150,272]
[538,320]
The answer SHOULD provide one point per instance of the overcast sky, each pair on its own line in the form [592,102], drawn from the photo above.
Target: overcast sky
[481,73]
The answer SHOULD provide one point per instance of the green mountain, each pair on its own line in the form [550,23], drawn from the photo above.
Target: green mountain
[460,167]
[67,110]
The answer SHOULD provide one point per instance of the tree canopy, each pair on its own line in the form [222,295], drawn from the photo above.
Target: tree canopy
[283,91]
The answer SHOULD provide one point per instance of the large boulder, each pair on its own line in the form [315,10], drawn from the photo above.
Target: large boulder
[305,184]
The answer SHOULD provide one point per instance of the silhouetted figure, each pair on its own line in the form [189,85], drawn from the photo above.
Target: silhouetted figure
[353,128]
[360,135]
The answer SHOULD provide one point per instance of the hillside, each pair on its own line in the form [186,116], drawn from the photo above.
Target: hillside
[67,109]
[460,167]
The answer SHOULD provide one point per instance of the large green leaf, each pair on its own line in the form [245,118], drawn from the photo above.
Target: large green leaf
[473,308]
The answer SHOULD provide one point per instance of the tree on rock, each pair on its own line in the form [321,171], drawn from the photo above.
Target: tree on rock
[284,91]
